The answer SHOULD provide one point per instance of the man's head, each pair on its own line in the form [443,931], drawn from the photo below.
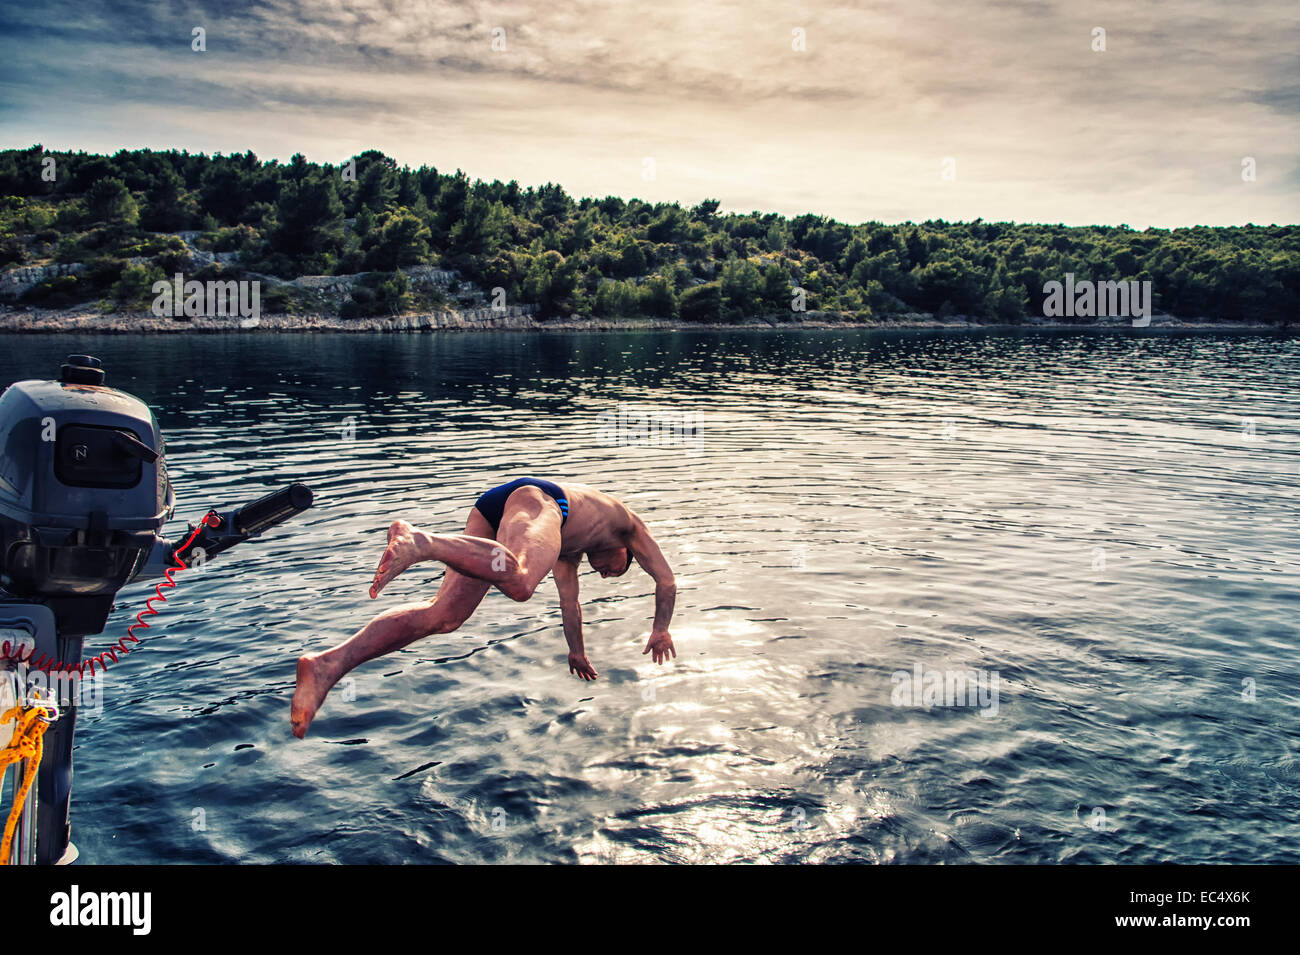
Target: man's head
[610,562]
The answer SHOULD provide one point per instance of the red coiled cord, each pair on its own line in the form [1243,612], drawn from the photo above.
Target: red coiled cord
[46,664]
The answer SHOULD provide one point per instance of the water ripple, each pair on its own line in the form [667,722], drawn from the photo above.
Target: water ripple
[1107,522]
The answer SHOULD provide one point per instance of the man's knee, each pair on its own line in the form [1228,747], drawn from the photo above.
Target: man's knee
[517,587]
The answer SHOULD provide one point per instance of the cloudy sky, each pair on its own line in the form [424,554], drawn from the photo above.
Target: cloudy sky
[857,124]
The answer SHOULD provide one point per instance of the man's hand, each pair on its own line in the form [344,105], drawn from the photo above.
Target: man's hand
[579,664]
[660,645]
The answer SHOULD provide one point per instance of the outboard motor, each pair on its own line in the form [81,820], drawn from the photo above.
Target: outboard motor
[84,496]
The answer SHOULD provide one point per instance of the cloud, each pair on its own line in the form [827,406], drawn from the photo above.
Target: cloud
[854,125]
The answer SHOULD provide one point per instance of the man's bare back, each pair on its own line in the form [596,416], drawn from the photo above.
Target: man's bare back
[514,536]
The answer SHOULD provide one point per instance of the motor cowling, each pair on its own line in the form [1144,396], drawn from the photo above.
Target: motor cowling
[84,492]
[84,496]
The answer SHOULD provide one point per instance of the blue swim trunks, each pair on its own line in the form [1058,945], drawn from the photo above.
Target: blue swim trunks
[492,504]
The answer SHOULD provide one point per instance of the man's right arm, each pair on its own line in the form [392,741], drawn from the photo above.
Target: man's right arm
[566,582]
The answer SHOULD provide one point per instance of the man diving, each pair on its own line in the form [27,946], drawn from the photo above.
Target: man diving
[515,535]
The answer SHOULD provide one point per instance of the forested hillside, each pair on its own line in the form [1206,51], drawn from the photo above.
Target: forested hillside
[119,216]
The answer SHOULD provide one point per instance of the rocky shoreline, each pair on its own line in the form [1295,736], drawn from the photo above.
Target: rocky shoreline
[80,321]
[515,318]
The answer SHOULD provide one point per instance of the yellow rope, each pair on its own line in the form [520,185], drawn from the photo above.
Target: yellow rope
[26,744]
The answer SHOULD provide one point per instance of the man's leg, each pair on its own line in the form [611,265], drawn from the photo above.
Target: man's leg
[525,549]
[530,535]
[457,599]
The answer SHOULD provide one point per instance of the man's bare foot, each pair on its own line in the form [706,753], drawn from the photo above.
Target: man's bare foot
[400,554]
[313,683]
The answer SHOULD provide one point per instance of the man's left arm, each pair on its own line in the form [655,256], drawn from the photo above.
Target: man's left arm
[646,552]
